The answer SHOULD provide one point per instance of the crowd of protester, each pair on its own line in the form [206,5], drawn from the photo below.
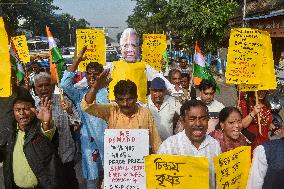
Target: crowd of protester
[44,135]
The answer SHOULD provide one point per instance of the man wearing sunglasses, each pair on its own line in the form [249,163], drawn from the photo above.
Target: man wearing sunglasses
[92,130]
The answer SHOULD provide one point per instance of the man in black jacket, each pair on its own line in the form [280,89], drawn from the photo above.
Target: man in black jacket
[30,153]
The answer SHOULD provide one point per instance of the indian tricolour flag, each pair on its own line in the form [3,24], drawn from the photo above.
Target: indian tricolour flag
[200,69]
[16,63]
[56,59]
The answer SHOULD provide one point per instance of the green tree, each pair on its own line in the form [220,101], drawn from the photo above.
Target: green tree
[36,12]
[205,21]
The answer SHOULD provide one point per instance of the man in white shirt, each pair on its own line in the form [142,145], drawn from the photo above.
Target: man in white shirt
[193,140]
[165,109]
[267,169]
[207,90]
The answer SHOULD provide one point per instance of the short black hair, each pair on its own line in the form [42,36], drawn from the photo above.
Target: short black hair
[95,65]
[182,58]
[22,94]
[124,87]
[207,84]
[225,113]
[183,75]
[187,105]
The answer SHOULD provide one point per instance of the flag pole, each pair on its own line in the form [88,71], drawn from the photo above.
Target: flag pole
[258,116]
[58,83]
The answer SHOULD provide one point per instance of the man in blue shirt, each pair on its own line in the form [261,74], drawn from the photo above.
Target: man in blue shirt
[92,131]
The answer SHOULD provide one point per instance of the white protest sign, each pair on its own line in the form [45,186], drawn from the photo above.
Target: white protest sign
[124,158]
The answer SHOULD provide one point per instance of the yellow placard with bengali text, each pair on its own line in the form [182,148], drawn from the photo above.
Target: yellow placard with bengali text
[20,43]
[152,49]
[268,76]
[134,72]
[176,172]
[96,48]
[245,54]
[5,65]
[232,168]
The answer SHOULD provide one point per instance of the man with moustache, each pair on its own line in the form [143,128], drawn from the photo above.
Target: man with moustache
[126,113]
[92,130]
[193,140]
[207,90]
[30,154]
[65,118]
[164,108]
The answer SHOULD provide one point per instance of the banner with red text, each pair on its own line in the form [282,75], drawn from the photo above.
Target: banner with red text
[124,158]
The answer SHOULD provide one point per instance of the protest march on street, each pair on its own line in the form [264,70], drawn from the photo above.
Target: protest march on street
[188,96]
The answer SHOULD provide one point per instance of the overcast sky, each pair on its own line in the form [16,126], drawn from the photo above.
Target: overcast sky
[99,12]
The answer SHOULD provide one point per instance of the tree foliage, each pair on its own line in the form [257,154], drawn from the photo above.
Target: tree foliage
[205,21]
[36,14]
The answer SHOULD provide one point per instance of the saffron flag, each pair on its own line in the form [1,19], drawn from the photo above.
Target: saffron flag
[200,69]
[16,63]
[5,65]
[56,59]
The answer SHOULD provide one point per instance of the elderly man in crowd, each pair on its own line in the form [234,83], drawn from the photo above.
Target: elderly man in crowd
[123,70]
[92,131]
[207,90]
[193,140]
[30,154]
[126,113]
[164,108]
[65,119]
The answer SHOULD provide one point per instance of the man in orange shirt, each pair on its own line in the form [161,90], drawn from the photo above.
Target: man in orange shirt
[126,113]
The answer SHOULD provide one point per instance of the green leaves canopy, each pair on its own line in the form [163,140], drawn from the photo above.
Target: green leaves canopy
[203,20]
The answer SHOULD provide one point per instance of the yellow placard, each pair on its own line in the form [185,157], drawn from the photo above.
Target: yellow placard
[268,76]
[152,49]
[5,65]
[21,46]
[95,42]
[132,71]
[232,168]
[245,56]
[176,172]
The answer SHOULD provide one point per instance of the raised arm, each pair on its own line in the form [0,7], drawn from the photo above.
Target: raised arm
[77,61]
[67,81]
[89,104]
[246,121]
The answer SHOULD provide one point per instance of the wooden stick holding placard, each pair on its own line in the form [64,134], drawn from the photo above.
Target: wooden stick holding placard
[239,96]
[258,116]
